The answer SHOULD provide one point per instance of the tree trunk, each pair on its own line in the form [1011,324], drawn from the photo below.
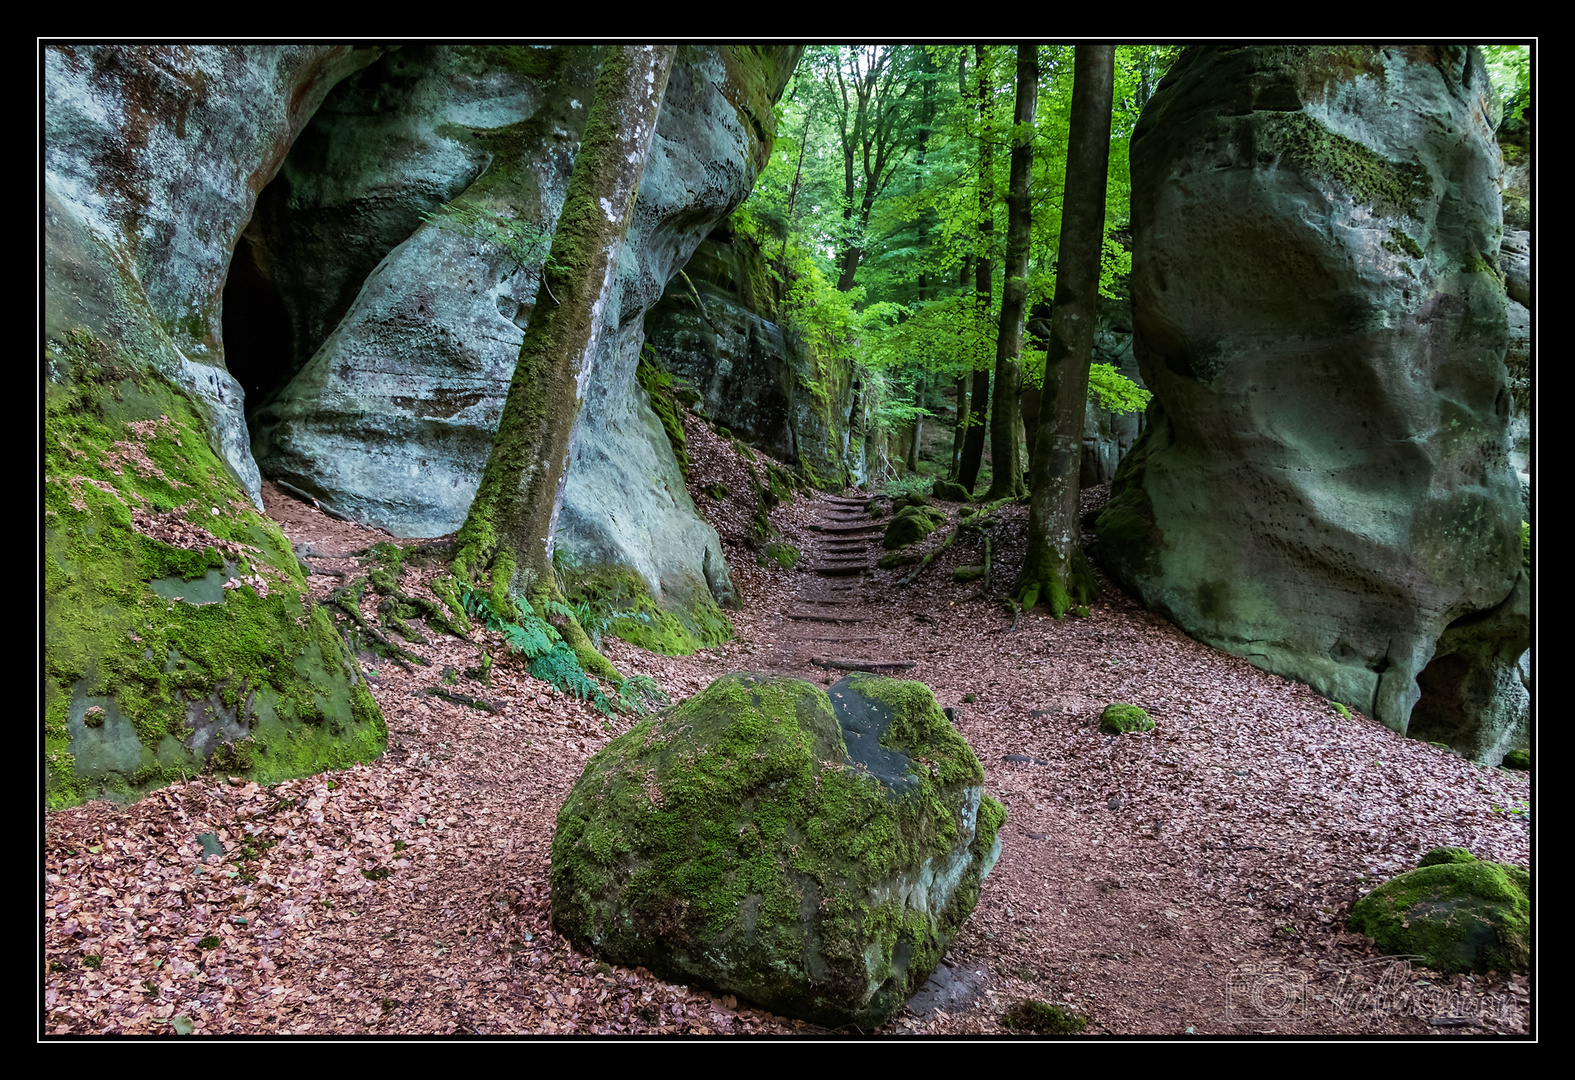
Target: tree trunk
[1054,567]
[960,429]
[973,443]
[506,542]
[1006,480]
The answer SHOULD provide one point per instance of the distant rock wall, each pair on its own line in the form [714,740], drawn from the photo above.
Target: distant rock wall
[1325,487]
[716,328]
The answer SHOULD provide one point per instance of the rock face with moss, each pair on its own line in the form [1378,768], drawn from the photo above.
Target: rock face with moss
[812,851]
[1325,485]
[177,636]
[716,327]
[1454,911]
[407,357]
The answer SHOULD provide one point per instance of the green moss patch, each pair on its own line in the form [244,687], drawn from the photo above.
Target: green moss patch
[1454,911]
[1119,719]
[177,638]
[634,615]
[662,389]
[1518,759]
[813,851]
[784,555]
[1389,187]
[1043,1018]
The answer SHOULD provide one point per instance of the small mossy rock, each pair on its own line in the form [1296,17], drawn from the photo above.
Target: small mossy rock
[893,559]
[950,492]
[1119,719]
[1518,759]
[907,499]
[784,555]
[1456,912]
[1042,1017]
[914,523]
[812,850]
[1443,856]
[964,574]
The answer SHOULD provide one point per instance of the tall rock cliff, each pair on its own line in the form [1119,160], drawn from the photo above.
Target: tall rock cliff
[217,245]
[390,417]
[1325,485]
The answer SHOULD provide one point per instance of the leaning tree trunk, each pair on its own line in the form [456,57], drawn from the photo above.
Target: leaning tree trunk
[1006,479]
[1054,568]
[506,540]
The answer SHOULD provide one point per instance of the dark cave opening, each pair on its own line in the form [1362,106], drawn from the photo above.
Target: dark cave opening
[257,330]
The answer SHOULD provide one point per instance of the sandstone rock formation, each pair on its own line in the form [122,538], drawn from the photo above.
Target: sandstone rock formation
[174,633]
[811,850]
[390,419]
[1325,486]
[715,328]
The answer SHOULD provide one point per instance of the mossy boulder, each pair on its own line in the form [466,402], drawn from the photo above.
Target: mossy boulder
[1119,719]
[1456,912]
[1518,759]
[178,636]
[913,523]
[784,555]
[950,492]
[811,850]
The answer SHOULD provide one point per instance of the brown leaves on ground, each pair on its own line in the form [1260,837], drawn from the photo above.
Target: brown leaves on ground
[1190,879]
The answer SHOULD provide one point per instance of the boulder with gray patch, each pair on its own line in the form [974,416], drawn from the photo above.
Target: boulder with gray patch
[811,850]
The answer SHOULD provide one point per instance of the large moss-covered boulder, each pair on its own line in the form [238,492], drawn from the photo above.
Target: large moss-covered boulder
[811,850]
[1454,911]
[178,638]
[1325,484]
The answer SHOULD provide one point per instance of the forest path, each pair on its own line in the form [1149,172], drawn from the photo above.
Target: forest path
[1160,883]
[821,626]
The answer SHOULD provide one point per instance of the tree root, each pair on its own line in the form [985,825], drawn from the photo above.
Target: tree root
[464,699]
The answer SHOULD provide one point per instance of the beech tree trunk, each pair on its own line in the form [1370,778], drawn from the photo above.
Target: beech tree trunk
[973,441]
[505,544]
[1006,478]
[1054,568]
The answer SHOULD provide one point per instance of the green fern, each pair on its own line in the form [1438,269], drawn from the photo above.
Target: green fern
[562,669]
[534,639]
[639,694]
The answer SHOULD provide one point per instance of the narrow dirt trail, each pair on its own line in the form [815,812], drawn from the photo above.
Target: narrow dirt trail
[1158,884]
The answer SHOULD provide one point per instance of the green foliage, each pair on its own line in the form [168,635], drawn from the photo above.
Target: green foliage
[1114,391]
[1509,67]
[550,659]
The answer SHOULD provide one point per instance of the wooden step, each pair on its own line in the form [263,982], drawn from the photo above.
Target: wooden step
[864,665]
[807,616]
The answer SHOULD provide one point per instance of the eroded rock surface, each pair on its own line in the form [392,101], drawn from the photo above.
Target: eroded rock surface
[814,851]
[391,419]
[1325,487]
[176,637]
[715,328]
